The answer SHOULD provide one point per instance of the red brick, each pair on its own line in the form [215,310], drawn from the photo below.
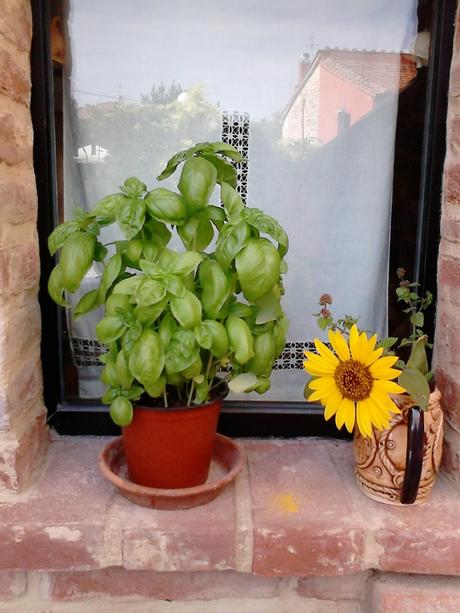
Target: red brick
[451,188]
[450,398]
[200,539]
[423,538]
[20,459]
[449,278]
[14,78]
[422,594]
[450,222]
[15,140]
[18,201]
[16,23]
[138,584]
[12,584]
[19,268]
[59,523]
[304,521]
[346,587]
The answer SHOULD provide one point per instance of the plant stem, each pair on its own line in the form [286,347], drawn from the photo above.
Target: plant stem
[192,387]
[165,398]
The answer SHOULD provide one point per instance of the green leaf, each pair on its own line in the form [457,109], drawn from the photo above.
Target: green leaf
[416,386]
[225,149]
[155,390]
[123,375]
[87,303]
[110,394]
[110,329]
[245,382]
[240,339]
[268,307]
[174,162]
[217,215]
[187,310]
[219,339]
[76,258]
[174,285]
[197,182]
[196,233]
[60,234]
[264,355]
[418,358]
[181,352]
[203,336]
[147,358]
[133,187]
[149,292]
[55,287]
[166,206]
[166,328]
[417,319]
[241,310]
[267,225]
[231,200]
[100,251]
[149,314]
[121,411]
[130,217]
[323,322]
[111,272]
[108,206]
[258,268]
[186,263]
[216,288]
[159,233]
[226,172]
[403,293]
[128,286]
[134,393]
[231,241]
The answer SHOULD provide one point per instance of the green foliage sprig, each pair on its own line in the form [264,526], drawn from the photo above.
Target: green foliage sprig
[174,319]
[416,374]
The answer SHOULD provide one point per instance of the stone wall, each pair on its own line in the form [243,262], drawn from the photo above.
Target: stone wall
[447,340]
[22,426]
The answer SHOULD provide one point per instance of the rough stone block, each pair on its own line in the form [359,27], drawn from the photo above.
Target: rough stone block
[304,522]
[406,594]
[12,584]
[14,76]
[18,199]
[137,584]
[16,23]
[15,139]
[19,268]
[346,587]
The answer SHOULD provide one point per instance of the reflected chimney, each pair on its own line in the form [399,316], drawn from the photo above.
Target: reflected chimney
[304,65]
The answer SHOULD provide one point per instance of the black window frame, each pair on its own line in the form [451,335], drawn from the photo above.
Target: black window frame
[249,418]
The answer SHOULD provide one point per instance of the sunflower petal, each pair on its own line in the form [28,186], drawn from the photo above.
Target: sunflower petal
[363,418]
[388,386]
[347,409]
[339,345]
[325,352]
[332,403]
[371,358]
[355,343]
[322,383]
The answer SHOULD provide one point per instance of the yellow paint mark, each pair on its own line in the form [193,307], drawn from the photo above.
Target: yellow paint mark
[286,503]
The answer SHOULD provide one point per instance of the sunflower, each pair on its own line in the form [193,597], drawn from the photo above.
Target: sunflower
[354,382]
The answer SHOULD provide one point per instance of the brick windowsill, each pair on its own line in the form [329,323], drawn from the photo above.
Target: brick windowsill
[295,511]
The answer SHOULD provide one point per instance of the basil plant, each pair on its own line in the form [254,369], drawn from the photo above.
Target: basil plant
[175,320]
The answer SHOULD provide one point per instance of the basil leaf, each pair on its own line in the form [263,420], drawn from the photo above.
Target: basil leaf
[258,268]
[109,329]
[111,272]
[181,352]
[60,234]
[76,258]
[133,187]
[187,310]
[108,206]
[166,206]
[186,263]
[130,217]
[267,225]
[197,182]
[87,303]
[147,358]
[55,287]
[231,241]
[149,292]
[196,233]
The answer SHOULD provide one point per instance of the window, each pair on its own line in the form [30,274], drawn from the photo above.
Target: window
[337,136]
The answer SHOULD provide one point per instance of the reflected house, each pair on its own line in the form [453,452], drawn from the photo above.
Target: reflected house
[338,87]
[92,152]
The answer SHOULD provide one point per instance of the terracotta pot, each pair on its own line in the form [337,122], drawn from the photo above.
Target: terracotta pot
[171,448]
[398,465]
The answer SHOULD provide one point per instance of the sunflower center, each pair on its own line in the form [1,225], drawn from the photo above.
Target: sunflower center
[354,380]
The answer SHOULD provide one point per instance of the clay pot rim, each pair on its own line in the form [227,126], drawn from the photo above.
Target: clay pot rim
[129,487]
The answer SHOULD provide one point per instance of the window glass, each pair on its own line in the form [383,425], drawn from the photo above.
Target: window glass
[307,91]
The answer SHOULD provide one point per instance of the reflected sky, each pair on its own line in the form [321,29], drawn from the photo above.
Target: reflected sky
[244,52]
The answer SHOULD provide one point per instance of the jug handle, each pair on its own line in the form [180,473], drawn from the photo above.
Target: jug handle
[414,456]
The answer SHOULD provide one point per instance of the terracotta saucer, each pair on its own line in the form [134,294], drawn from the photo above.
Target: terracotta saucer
[227,462]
